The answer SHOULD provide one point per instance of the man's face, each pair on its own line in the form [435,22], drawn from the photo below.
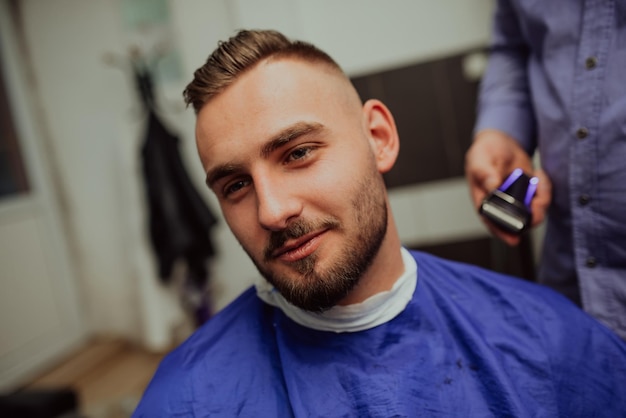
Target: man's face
[286,152]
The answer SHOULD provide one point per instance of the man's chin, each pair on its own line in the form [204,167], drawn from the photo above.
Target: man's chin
[289,279]
[295,270]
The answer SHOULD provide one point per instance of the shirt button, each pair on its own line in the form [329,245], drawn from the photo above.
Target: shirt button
[591,63]
[582,133]
[583,199]
[591,262]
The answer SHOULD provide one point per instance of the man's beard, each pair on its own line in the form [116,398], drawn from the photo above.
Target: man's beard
[318,290]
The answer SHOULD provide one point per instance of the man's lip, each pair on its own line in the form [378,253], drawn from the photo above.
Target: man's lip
[302,247]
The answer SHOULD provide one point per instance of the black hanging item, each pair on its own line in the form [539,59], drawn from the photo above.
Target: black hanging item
[179,220]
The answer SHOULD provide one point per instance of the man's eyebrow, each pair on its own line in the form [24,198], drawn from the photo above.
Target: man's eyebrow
[220,172]
[289,134]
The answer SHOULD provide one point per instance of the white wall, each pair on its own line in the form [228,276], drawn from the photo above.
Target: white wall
[84,107]
[370,35]
[91,116]
[40,313]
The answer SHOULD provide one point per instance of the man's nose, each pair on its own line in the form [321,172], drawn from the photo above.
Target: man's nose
[277,203]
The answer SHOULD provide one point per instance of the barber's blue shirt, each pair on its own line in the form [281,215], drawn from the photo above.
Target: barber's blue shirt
[470,343]
[556,80]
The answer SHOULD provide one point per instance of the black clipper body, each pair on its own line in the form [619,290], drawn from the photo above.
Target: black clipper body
[508,206]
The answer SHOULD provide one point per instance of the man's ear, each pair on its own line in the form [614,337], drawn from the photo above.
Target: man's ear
[383,134]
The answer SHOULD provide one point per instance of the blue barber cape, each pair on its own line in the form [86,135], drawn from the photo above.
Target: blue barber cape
[471,343]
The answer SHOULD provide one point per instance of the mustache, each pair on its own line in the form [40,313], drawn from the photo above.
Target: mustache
[295,230]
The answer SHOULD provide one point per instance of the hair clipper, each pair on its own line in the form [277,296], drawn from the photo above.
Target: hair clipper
[508,206]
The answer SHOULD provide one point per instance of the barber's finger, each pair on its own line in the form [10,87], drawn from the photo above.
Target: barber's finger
[482,179]
[483,172]
[480,183]
[492,181]
[488,177]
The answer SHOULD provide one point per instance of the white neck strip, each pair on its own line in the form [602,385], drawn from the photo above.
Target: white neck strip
[375,310]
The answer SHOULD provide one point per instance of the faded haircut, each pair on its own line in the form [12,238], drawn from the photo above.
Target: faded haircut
[239,54]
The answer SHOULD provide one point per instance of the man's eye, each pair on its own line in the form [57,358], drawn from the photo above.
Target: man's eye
[299,153]
[235,187]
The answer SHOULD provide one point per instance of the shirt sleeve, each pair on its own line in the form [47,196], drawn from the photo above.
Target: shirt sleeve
[504,101]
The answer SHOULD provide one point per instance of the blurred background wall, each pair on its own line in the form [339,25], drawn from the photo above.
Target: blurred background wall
[75,260]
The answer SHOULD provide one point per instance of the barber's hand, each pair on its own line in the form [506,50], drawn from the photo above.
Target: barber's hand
[493,156]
